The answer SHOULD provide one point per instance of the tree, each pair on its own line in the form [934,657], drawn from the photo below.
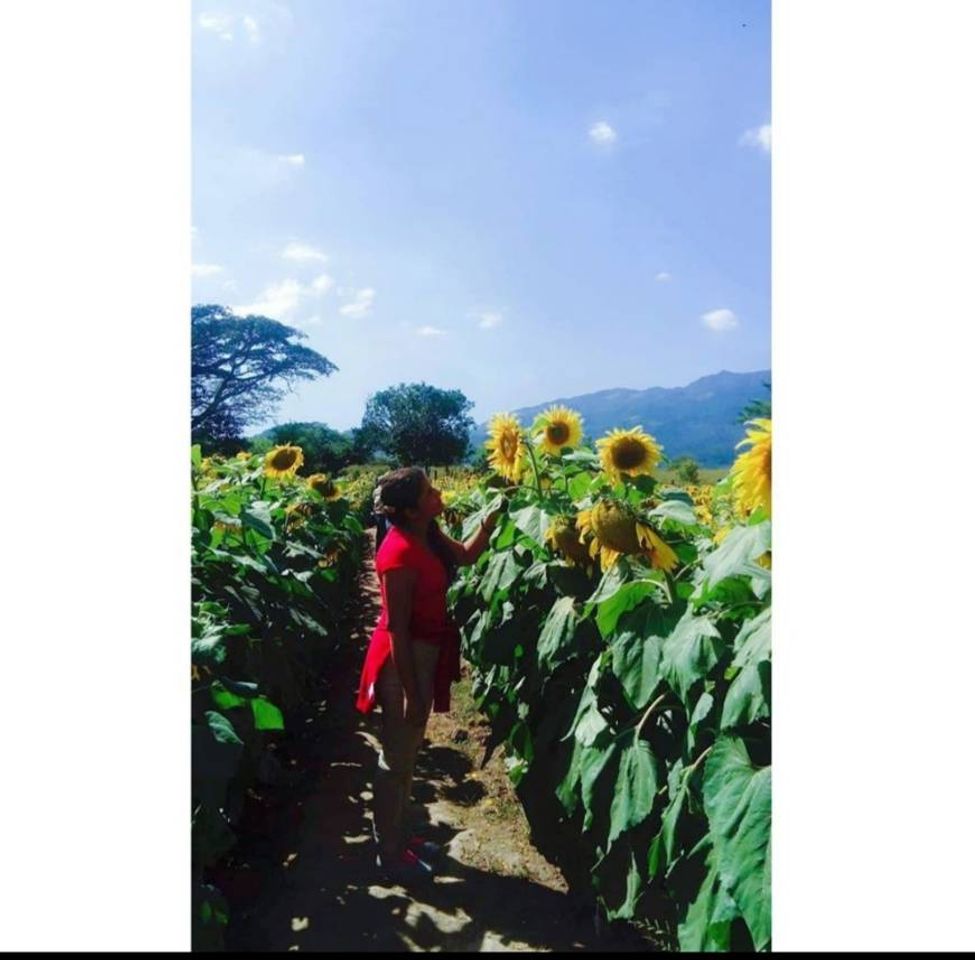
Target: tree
[418,424]
[325,450]
[240,367]
[757,408]
[687,470]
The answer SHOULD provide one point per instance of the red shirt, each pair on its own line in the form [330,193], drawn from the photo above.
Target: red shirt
[429,620]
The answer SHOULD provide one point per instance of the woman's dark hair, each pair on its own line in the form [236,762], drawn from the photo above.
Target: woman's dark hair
[400,490]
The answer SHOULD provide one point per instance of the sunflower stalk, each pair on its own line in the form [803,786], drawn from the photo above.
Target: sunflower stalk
[538,481]
[653,706]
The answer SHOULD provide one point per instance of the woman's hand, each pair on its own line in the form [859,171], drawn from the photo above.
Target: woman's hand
[489,522]
[416,711]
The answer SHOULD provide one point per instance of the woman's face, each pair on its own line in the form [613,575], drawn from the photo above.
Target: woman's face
[429,504]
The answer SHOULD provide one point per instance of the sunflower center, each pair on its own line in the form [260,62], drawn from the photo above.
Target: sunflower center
[615,528]
[509,446]
[284,459]
[325,487]
[558,433]
[629,453]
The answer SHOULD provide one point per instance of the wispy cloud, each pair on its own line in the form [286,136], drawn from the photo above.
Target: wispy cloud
[221,24]
[280,300]
[760,137]
[322,284]
[720,320]
[292,159]
[431,332]
[302,253]
[206,269]
[266,17]
[253,30]
[489,319]
[662,277]
[602,133]
[361,304]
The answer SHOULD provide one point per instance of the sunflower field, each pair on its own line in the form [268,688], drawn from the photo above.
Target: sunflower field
[274,555]
[620,635]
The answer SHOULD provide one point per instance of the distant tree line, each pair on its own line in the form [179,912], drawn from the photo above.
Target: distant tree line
[241,368]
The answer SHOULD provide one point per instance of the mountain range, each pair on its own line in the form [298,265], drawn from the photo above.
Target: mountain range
[699,420]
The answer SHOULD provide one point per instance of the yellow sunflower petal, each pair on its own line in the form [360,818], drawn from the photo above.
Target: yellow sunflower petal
[507,447]
[751,473]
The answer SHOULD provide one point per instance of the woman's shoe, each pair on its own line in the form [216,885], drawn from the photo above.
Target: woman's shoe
[408,868]
[426,850]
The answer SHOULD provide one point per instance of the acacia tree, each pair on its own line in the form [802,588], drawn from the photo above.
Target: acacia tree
[240,368]
[418,423]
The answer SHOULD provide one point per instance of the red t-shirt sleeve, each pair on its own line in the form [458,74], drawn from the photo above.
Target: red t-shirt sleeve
[395,553]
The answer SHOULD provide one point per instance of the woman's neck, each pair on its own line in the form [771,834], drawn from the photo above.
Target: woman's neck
[420,529]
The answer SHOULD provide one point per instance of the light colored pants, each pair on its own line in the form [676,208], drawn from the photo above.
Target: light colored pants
[400,743]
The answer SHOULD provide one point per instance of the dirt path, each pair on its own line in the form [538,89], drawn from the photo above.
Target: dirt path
[305,879]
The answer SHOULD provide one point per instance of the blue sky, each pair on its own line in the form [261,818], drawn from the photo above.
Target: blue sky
[523,200]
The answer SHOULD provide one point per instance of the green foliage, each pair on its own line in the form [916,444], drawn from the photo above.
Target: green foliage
[271,565]
[687,470]
[634,705]
[240,368]
[325,450]
[757,408]
[418,424]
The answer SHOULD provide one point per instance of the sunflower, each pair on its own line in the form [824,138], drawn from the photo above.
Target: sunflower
[563,534]
[558,427]
[297,513]
[629,452]
[324,486]
[227,526]
[283,461]
[331,557]
[507,446]
[616,530]
[243,455]
[751,474]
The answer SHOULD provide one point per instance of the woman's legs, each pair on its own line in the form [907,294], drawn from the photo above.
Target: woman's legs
[400,744]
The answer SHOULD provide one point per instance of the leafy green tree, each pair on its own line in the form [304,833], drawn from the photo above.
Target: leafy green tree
[240,369]
[687,470]
[418,424]
[325,450]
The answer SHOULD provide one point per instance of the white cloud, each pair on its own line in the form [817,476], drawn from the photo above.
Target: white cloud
[216,22]
[276,301]
[489,319]
[292,159]
[431,332]
[253,31]
[602,133]
[322,284]
[206,269]
[361,305]
[662,277]
[760,137]
[302,252]
[720,320]
[280,300]
[268,20]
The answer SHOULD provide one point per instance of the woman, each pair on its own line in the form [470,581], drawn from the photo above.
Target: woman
[414,653]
